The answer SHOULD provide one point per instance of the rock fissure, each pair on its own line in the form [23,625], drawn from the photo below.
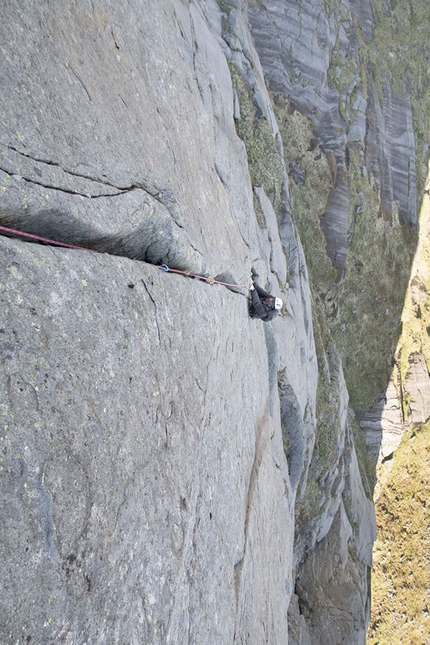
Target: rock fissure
[59,188]
[155,310]
[81,82]
[163,196]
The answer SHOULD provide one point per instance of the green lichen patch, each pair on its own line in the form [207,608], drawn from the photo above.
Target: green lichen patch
[309,198]
[310,506]
[370,299]
[264,162]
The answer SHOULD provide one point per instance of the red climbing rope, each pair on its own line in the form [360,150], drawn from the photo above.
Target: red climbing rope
[38,238]
[163,267]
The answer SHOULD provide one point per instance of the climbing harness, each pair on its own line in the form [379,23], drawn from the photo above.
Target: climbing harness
[162,267]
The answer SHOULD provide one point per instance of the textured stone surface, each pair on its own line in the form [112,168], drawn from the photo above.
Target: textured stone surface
[144,477]
[417,384]
[154,438]
[294,43]
[135,456]
[333,552]
[383,424]
[310,55]
[344,618]
[111,116]
[390,154]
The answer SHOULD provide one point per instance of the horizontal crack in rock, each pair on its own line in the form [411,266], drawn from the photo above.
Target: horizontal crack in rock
[160,195]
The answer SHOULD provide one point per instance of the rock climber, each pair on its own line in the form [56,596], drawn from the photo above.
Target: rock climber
[263,305]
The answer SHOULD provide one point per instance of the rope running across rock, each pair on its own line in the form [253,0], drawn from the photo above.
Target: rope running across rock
[162,267]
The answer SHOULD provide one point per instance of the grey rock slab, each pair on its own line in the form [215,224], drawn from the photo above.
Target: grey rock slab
[390,153]
[271,246]
[137,456]
[417,384]
[383,425]
[146,493]
[108,97]
[330,572]
[386,422]
[362,514]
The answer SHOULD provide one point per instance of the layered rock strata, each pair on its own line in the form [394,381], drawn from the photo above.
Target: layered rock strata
[172,471]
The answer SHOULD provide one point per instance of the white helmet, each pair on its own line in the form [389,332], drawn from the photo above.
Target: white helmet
[278,303]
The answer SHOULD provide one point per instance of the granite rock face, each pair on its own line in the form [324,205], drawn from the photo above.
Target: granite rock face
[390,154]
[167,474]
[384,423]
[310,55]
[294,43]
[142,469]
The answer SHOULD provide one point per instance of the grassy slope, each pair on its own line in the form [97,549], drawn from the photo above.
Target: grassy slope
[416,314]
[401,570]
[363,311]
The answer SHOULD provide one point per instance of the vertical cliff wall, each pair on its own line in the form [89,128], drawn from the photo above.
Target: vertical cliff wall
[402,546]
[172,470]
[351,94]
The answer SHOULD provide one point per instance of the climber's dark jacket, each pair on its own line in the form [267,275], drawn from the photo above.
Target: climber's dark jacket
[259,307]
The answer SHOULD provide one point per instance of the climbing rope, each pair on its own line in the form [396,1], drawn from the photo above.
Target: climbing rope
[162,267]
[45,240]
[167,269]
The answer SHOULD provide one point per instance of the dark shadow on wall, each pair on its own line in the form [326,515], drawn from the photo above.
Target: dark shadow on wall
[143,242]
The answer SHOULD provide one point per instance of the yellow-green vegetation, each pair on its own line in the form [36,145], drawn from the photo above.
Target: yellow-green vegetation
[264,162]
[370,298]
[401,572]
[401,569]
[311,197]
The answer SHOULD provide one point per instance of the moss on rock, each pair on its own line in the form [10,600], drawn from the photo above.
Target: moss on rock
[264,162]
[310,197]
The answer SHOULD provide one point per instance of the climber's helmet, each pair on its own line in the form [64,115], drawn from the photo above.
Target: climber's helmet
[278,303]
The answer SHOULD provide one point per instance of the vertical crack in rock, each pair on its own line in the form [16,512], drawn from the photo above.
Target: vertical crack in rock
[261,441]
[155,310]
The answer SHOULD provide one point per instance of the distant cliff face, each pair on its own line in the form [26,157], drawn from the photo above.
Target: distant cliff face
[172,470]
[352,107]
[351,95]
